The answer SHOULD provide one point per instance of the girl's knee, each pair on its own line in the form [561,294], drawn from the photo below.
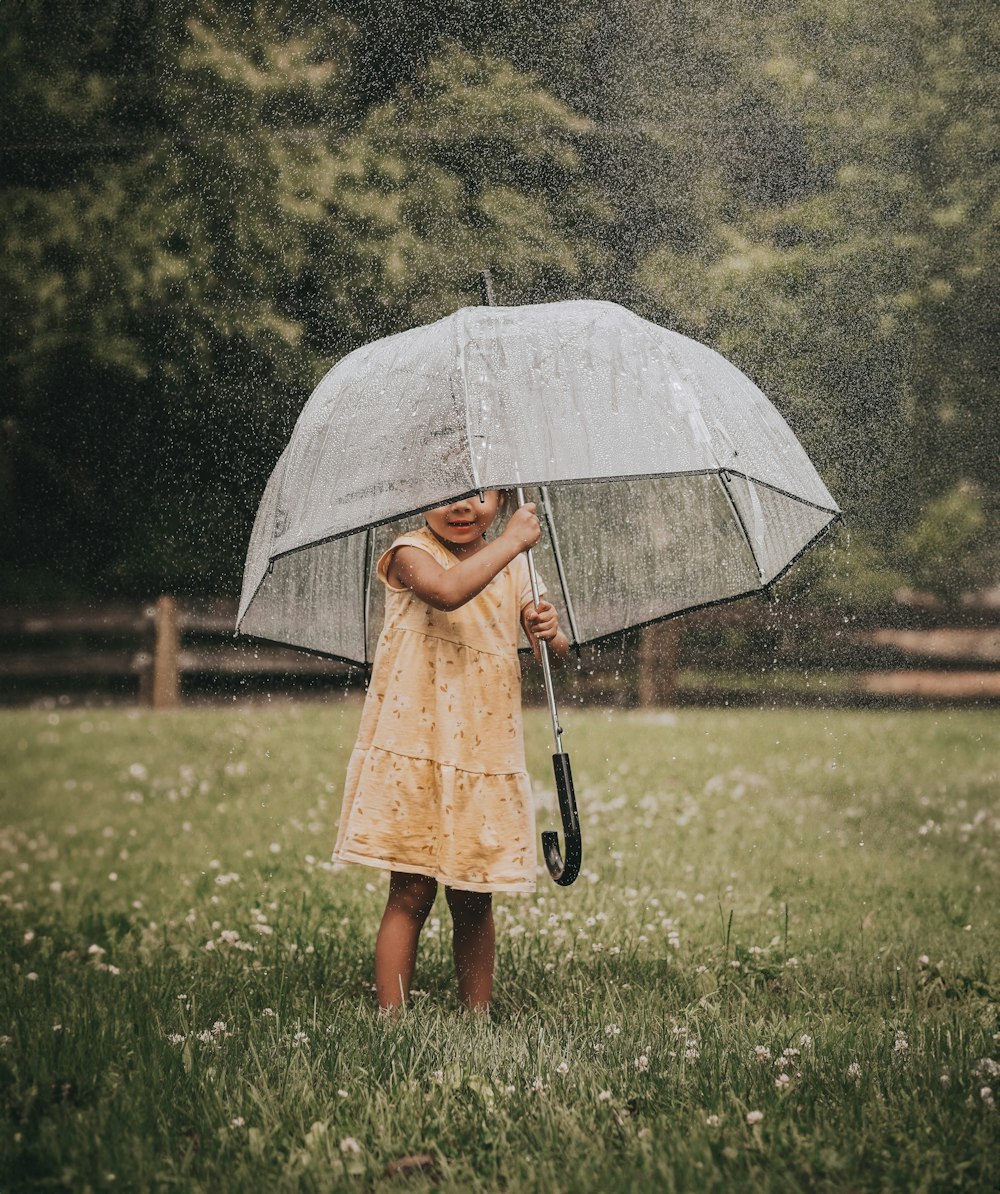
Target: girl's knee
[468,905]
[414,894]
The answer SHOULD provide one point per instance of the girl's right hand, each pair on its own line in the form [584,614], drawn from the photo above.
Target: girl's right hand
[524,526]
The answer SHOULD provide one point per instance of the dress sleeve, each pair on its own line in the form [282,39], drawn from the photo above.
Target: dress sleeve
[411,539]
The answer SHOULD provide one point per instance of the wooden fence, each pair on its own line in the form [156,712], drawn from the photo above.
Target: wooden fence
[748,652]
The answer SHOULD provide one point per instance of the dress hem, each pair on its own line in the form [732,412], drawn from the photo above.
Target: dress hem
[386,864]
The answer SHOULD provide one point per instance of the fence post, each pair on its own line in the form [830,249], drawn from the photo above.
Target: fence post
[166,687]
[658,655]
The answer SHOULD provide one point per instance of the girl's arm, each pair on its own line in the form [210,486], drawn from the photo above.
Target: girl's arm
[450,588]
[542,622]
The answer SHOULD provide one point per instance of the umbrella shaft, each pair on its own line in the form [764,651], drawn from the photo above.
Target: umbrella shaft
[543,645]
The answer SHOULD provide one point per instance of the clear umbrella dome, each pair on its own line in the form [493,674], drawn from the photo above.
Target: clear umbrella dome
[673,481]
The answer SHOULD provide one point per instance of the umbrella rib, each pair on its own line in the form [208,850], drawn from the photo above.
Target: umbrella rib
[722,474]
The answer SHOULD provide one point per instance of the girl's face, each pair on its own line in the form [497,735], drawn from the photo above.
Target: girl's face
[462,524]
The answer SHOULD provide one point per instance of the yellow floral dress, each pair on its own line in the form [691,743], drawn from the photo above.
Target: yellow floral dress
[437,783]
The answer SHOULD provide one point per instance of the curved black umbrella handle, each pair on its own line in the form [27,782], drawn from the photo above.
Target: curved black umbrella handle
[564,870]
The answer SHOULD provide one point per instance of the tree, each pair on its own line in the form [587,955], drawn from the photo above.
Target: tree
[178,295]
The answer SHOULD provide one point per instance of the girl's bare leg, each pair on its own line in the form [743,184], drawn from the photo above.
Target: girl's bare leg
[474,944]
[411,898]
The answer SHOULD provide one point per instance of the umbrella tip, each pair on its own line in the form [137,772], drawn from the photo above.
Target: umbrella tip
[486,288]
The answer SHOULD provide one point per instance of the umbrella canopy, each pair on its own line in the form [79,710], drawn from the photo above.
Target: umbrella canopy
[672,481]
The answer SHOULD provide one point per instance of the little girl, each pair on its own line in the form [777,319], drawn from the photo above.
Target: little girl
[437,787]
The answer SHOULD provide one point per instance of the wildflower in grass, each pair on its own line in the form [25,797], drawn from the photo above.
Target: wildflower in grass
[923,960]
[644,1134]
[642,1064]
[269,1012]
[205,1036]
[55,886]
[350,1147]
[275,847]
[805,1040]
[31,976]
[29,936]
[237,1122]
[782,1082]
[901,1045]
[604,1096]
[538,1086]
[713,1121]
[113,876]
[692,1052]
[762,1053]
[735,964]
[754,1117]
[95,951]
[263,929]
[176,1038]
[57,1028]
[615,950]
[612,1030]
[945,1078]
[986,1067]
[300,1038]
[854,1071]
[438,1077]
[342,1094]
[5,1041]
[986,1094]
[562,1068]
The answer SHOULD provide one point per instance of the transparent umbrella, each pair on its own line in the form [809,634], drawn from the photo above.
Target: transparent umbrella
[666,479]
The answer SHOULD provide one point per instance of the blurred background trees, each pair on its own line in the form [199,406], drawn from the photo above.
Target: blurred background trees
[207,204]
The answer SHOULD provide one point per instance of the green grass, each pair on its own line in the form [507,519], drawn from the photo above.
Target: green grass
[805,893]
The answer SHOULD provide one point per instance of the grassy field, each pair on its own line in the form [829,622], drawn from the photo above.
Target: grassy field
[777,972]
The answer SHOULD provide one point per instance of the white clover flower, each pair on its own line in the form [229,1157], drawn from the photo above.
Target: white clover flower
[300,1038]
[5,1041]
[854,1071]
[55,886]
[604,1096]
[713,1121]
[269,1012]
[562,1068]
[237,1122]
[754,1117]
[350,1147]
[31,976]
[642,1064]
[538,1085]
[263,929]
[692,1052]
[438,1077]
[782,1082]
[176,1038]
[342,1094]
[762,1053]
[95,951]
[205,1036]
[923,960]
[612,1030]
[902,1044]
[805,1040]
[986,1094]
[29,936]
[986,1067]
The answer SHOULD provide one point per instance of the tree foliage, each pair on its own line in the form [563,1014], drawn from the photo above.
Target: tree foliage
[206,204]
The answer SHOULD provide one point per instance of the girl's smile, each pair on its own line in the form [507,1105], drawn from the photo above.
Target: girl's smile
[461,525]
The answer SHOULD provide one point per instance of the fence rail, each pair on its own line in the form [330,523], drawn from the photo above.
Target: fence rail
[747,652]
